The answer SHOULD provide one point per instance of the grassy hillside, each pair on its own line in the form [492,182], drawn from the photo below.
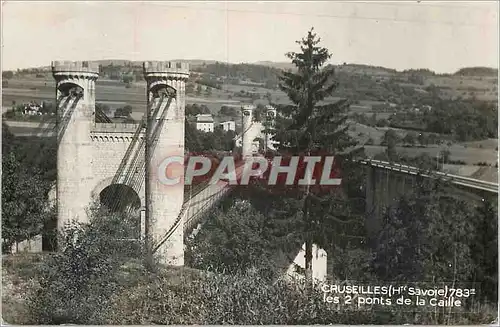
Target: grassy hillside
[185,296]
[477,71]
[278,65]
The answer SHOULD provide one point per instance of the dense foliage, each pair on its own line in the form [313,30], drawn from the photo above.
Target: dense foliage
[200,141]
[75,285]
[427,235]
[465,120]
[95,280]
[234,241]
[28,172]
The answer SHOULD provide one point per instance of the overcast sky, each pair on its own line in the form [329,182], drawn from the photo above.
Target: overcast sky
[442,36]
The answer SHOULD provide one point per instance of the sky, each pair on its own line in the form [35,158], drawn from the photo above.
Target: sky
[441,36]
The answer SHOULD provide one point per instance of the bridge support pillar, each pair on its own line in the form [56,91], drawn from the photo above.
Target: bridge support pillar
[383,190]
[166,104]
[270,124]
[75,100]
[385,187]
[371,223]
[246,138]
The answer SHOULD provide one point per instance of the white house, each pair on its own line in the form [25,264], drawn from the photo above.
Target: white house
[32,109]
[228,126]
[205,123]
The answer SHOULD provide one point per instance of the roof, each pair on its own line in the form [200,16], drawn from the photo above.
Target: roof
[204,118]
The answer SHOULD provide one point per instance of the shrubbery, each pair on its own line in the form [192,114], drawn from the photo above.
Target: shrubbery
[75,284]
[99,280]
[243,298]
[233,242]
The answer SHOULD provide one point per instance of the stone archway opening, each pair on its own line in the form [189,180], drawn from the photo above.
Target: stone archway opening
[258,145]
[124,200]
[70,89]
[161,89]
[68,96]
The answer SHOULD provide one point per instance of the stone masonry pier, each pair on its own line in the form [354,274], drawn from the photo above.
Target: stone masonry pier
[384,188]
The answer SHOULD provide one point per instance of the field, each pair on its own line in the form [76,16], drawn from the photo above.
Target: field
[364,132]
[483,88]
[483,144]
[489,174]
[469,155]
[115,95]
[112,93]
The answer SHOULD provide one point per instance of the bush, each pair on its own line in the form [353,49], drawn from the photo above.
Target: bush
[75,285]
[233,242]
[215,299]
[247,298]
[88,283]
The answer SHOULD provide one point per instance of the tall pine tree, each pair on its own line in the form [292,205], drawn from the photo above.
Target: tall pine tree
[314,124]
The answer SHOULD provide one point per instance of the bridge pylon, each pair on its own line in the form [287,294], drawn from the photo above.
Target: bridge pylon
[75,100]
[246,137]
[165,138]
[270,124]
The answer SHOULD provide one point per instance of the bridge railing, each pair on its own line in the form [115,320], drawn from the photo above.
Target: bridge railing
[208,201]
[115,127]
[461,180]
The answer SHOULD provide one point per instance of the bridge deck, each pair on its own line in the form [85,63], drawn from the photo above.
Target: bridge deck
[455,179]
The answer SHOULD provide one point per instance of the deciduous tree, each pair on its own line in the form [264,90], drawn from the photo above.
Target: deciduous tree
[24,207]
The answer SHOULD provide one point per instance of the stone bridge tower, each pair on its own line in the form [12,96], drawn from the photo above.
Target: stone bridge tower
[117,164]
[164,202]
[75,94]
[271,123]
[246,135]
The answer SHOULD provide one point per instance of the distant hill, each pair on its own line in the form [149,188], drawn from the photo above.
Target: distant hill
[357,69]
[477,71]
[197,61]
[115,62]
[365,69]
[278,65]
